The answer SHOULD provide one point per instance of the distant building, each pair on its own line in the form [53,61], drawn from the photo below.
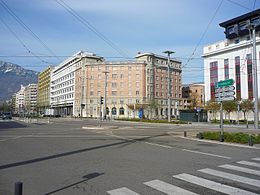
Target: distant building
[30,99]
[20,100]
[43,97]
[232,58]
[195,93]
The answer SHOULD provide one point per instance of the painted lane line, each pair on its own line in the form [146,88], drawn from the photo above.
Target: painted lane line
[122,191]
[150,143]
[212,185]
[257,159]
[154,144]
[232,177]
[209,154]
[249,163]
[167,188]
[241,169]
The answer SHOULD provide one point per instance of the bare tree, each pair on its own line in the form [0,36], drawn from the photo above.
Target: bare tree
[213,107]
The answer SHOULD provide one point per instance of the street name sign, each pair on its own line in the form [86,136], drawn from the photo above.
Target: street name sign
[225,83]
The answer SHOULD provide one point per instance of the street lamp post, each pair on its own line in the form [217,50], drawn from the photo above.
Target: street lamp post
[168,52]
[255,80]
[105,96]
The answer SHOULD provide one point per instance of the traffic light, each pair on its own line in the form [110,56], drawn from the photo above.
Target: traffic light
[101,99]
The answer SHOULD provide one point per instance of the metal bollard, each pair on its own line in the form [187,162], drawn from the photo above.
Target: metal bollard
[250,140]
[221,138]
[185,133]
[18,188]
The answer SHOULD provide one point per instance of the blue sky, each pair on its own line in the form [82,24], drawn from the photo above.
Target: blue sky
[132,25]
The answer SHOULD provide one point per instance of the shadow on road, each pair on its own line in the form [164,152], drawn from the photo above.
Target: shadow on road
[5,125]
[85,178]
[124,143]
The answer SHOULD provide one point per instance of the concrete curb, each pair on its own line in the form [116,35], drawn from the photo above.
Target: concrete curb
[220,143]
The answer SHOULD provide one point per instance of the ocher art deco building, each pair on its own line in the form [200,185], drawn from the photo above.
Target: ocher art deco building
[43,98]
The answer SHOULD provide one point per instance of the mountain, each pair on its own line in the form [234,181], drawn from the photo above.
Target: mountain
[12,76]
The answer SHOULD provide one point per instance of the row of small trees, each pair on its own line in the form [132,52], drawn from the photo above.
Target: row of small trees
[245,106]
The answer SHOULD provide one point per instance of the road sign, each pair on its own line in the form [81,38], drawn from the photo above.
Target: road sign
[198,109]
[225,93]
[221,89]
[226,98]
[225,83]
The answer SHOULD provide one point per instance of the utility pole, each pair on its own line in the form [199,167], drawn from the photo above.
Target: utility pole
[168,52]
[105,96]
[255,80]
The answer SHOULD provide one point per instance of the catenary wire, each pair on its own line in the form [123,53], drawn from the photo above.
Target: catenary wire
[87,24]
[6,7]
[22,43]
[204,33]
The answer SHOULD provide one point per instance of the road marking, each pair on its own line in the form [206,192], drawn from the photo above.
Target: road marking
[241,169]
[249,163]
[167,188]
[232,177]
[134,140]
[213,185]
[154,144]
[122,191]
[257,159]
[209,154]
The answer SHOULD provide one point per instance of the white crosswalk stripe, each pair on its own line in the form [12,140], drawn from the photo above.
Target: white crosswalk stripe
[168,188]
[241,169]
[212,185]
[249,163]
[232,177]
[257,159]
[122,191]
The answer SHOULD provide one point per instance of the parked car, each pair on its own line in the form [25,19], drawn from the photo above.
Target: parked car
[6,115]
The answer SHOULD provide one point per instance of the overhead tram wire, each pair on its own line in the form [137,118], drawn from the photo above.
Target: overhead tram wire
[22,43]
[203,34]
[240,5]
[6,7]
[91,28]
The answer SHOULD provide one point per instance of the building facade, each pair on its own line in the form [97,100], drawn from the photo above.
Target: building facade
[20,100]
[30,99]
[157,83]
[195,92]
[125,89]
[43,97]
[63,79]
[232,58]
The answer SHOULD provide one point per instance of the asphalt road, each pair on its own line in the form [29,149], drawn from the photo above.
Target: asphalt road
[62,158]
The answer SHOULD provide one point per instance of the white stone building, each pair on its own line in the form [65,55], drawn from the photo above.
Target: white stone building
[232,57]
[62,97]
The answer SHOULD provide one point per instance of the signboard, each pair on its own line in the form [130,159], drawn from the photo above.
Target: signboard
[225,90]
[226,98]
[225,83]
[225,93]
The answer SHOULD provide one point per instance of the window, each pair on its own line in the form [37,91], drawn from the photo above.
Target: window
[113,111]
[121,111]
[113,85]
[137,93]
[114,93]
[114,76]
[226,69]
